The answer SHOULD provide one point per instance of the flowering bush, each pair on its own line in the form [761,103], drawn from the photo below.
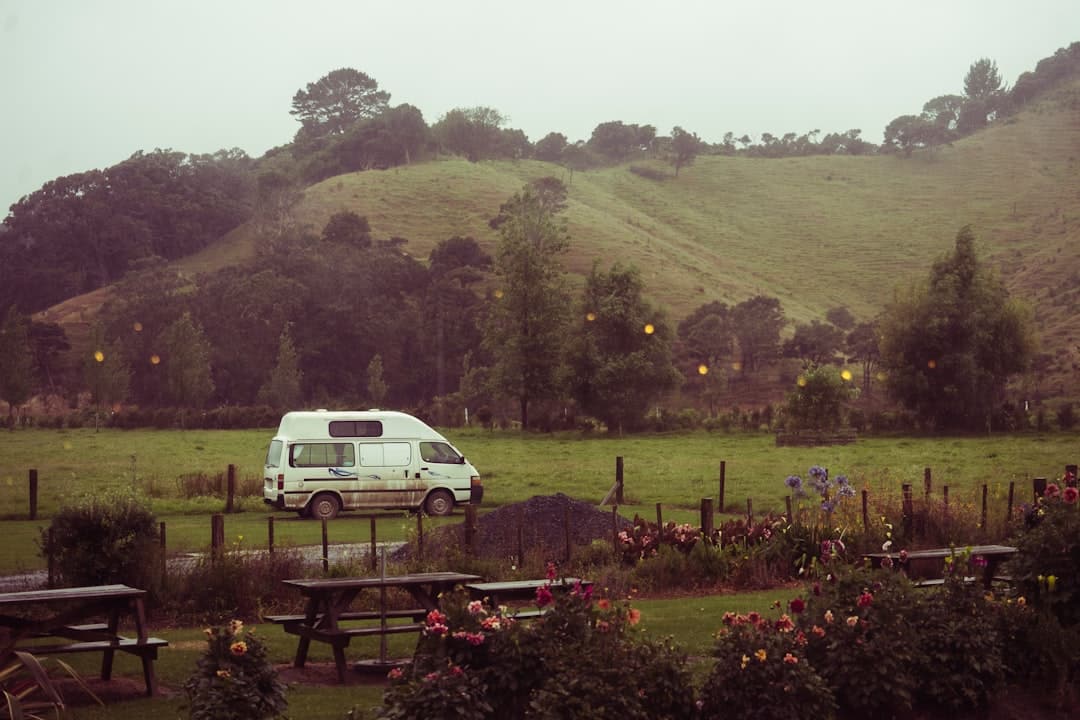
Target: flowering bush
[761,671]
[644,539]
[579,659]
[1046,570]
[233,679]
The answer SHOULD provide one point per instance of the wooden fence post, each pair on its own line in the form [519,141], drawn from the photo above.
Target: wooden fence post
[420,535]
[908,515]
[374,547]
[50,578]
[983,516]
[270,534]
[230,488]
[720,496]
[33,493]
[615,528]
[161,549]
[707,517]
[1009,508]
[749,513]
[217,535]
[659,519]
[619,480]
[470,529]
[325,547]
[866,510]
[926,484]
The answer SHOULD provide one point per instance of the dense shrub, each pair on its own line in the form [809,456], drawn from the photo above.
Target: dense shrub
[111,537]
[648,172]
[234,679]
[1047,567]
[580,659]
[762,672]
[237,584]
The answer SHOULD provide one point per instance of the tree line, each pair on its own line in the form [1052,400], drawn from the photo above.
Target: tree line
[343,319]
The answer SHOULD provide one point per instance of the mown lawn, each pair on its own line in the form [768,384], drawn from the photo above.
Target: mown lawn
[690,621]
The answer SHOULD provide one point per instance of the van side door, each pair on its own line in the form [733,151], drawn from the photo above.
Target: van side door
[386,475]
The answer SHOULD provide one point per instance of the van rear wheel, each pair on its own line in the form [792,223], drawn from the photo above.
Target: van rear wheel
[324,506]
[439,503]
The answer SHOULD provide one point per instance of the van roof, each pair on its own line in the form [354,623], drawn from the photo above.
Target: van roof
[315,424]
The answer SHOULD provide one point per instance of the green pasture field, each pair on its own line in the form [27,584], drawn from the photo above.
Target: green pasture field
[690,622]
[676,470]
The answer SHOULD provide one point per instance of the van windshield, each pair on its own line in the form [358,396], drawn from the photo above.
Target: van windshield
[273,454]
[440,452]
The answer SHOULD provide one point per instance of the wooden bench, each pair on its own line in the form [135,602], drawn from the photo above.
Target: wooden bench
[494,593]
[417,614]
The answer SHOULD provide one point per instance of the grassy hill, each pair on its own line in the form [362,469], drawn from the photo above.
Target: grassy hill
[816,232]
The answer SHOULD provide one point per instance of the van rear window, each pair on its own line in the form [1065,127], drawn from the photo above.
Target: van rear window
[355,428]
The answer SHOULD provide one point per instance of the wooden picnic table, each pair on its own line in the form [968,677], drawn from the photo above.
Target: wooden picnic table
[928,565]
[29,619]
[329,599]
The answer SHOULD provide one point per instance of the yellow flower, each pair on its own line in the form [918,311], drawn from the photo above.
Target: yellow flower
[745,660]
[238,648]
[224,673]
[1051,582]
[853,621]
[761,655]
[828,616]
[208,632]
[1021,601]
[235,626]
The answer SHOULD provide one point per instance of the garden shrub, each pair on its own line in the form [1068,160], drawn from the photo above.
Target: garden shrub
[1046,570]
[762,672]
[858,624]
[235,584]
[234,679]
[580,659]
[111,537]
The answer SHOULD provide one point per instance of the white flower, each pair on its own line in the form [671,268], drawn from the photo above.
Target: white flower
[886,545]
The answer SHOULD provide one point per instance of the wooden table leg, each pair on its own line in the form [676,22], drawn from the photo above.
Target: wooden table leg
[310,614]
[339,662]
[107,655]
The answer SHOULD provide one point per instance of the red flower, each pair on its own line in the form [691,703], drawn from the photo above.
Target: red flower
[436,618]
[543,596]
[1070,495]
[1052,490]
[797,605]
[865,600]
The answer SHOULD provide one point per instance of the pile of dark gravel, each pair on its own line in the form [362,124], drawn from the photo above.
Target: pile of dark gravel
[543,521]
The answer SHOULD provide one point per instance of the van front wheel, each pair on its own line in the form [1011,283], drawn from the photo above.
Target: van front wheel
[324,507]
[439,503]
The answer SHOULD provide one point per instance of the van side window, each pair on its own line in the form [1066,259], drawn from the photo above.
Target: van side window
[385,454]
[322,455]
[356,428]
[439,452]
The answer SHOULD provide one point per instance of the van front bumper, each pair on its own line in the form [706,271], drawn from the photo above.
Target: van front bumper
[476,494]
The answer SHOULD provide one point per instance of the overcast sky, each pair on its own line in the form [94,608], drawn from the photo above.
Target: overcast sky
[85,83]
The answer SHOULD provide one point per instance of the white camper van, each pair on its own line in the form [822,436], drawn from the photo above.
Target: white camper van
[322,462]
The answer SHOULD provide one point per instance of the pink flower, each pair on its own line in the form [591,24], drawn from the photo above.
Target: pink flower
[456,670]
[551,571]
[1070,495]
[395,674]
[903,556]
[543,596]
[728,618]
[491,623]
[818,631]
[633,616]
[602,626]
[754,618]
[1052,490]
[784,624]
[475,638]
[791,659]
[476,607]
[436,618]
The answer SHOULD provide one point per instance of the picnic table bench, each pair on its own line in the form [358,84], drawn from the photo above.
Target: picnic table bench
[329,599]
[925,567]
[495,594]
[33,620]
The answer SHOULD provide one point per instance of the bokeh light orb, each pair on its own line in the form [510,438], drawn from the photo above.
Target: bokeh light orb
[703,369]
[590,316]
[649,329]
[498,294]
[137,327]
[931,364]
[801,382]
[155,359]
[99,356]
[846,375]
